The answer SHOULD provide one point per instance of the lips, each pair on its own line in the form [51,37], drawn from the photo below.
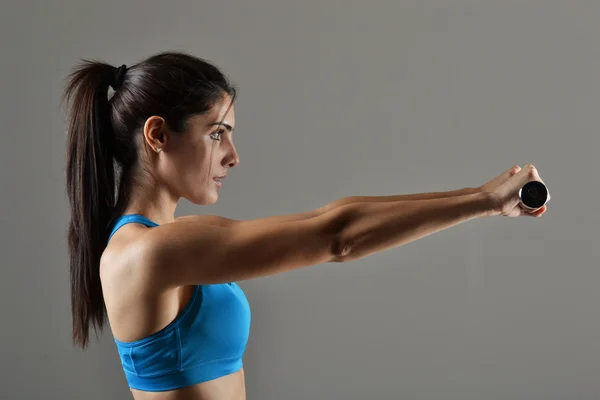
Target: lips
[217,179]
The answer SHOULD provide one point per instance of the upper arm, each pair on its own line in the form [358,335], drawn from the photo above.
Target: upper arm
[216,220]
[191,252]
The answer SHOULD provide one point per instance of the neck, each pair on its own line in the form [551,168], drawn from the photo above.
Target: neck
[153,202]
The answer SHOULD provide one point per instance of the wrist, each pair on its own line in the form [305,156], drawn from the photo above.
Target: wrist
[486,204]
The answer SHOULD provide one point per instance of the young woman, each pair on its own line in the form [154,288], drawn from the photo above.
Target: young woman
[167,285]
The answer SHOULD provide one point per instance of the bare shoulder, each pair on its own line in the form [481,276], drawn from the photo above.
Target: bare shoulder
[124,258]
[134,247]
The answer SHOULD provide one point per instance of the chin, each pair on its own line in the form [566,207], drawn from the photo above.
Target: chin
[203,199]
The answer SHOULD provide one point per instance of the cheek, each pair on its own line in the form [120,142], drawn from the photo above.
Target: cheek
[197,160]
[194,164]
[199,170]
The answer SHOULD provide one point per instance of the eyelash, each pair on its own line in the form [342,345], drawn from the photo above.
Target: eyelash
[219,132]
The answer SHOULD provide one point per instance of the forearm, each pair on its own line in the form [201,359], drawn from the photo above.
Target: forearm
[369,227]
[397,197]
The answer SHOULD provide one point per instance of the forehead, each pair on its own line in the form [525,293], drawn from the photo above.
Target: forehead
[222,112]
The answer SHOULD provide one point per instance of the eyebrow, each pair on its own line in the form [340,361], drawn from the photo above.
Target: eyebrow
[229,127]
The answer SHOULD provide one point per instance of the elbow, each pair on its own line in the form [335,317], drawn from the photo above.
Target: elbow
[341,247]
[341,250]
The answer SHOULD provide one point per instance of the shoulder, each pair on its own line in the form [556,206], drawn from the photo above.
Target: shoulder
[125,256]
[134,249]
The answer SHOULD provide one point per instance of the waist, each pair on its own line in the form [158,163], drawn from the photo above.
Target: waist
[228,387]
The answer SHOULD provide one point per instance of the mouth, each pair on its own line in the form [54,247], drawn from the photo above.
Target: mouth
[217,179]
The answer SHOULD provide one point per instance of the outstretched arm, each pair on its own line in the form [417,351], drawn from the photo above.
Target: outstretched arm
[190,252]
[217,220]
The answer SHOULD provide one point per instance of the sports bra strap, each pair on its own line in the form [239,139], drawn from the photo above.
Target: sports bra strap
[131,218]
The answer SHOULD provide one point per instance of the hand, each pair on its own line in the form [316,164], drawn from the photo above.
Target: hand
[490,186]
[503,192]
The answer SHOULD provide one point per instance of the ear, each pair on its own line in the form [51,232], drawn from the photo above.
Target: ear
[156,133]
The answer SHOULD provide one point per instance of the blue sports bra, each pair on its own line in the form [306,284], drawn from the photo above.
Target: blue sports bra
[205,341]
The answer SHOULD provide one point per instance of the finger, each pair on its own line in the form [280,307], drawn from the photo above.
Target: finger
[538,212]
[541,211]
[512,171]
[503,177]
[527,174]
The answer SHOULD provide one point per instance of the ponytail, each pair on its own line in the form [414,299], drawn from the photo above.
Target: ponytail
[90,182]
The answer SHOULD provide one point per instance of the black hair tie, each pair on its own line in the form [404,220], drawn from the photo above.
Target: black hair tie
[116,78]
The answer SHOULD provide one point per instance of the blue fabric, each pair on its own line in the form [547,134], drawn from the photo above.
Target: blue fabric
[205,341]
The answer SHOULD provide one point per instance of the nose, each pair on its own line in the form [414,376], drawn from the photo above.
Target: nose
[233,158]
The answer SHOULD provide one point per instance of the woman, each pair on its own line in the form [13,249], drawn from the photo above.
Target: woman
[166,284]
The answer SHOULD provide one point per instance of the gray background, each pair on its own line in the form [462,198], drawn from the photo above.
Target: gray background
[339,98]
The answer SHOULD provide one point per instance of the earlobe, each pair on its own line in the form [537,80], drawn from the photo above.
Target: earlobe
[155,132]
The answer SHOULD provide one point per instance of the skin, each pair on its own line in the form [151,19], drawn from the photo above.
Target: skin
[185,167]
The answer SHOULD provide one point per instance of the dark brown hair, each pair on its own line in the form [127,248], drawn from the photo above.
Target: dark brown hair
[102,152]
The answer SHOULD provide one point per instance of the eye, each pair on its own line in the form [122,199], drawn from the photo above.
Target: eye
[218,134]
